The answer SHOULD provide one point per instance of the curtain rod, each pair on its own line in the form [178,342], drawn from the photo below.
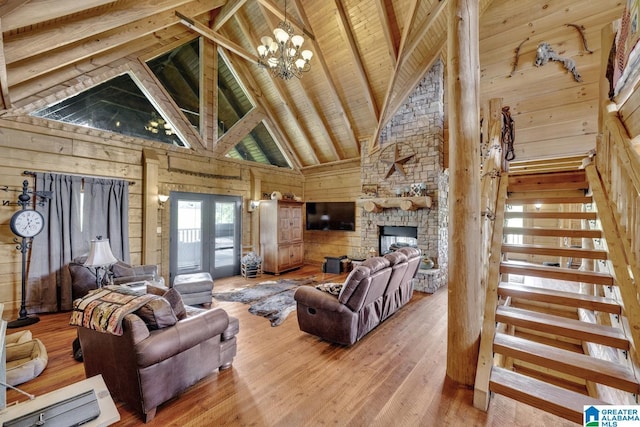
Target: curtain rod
[77,174]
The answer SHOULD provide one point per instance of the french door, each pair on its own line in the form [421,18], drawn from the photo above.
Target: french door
[205,234]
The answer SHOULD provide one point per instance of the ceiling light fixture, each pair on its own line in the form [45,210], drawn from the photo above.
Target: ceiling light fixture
[282,56]
[157,124]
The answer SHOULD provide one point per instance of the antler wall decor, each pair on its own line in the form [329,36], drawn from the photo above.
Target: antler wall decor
[545,54]
[580,29]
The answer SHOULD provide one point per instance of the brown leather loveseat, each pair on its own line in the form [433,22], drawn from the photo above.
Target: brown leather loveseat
[372,292]
[150,364]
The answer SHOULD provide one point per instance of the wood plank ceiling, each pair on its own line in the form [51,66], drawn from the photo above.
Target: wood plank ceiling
[368,57]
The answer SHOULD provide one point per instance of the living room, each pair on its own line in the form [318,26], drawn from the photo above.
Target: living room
[331,158]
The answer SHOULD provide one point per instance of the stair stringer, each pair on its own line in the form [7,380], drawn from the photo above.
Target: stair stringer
[620,268]
[481,394]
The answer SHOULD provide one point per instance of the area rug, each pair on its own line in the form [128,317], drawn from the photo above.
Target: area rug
[270,299]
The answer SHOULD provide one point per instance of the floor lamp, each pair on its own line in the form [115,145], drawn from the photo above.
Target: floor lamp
[100,257]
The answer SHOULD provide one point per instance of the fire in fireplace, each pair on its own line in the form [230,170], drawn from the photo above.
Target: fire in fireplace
[394,237]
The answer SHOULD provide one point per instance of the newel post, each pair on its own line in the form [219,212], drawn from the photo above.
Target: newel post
[463,78]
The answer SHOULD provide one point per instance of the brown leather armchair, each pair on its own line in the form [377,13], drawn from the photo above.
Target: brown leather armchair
[145,368]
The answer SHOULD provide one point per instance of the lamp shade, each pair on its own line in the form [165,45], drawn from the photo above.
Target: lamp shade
[100,254]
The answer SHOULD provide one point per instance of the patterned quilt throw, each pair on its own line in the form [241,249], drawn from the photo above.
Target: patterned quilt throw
[103,309]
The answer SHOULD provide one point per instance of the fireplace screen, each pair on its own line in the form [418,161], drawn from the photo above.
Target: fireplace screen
[393,238]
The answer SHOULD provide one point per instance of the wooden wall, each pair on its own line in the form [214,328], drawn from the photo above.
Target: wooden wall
[334,186]
[51,147]
[554,115]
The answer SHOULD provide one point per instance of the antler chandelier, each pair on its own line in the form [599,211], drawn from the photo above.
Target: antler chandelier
[282,56]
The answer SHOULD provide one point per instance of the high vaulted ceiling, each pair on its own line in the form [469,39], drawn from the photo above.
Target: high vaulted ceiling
[368,57]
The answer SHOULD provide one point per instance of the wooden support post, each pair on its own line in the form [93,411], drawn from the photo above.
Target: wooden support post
[464,312]
[150,164]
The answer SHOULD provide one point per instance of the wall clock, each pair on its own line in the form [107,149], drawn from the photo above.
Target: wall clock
[27,223]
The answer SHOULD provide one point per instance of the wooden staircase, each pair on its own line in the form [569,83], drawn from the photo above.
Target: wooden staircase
[539,327]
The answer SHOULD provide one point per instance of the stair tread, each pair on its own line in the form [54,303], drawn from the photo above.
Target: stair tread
[579,365]
[554,251]
[539,394]
[551,215]
[572,299]
[559,273]
[572,328]
[577,175]
[529,199]
[553,232]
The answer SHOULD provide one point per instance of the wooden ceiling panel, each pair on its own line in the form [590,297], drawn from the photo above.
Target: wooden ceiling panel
[368,57]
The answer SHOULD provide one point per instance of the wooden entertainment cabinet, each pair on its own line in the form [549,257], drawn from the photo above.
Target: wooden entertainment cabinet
[281,244]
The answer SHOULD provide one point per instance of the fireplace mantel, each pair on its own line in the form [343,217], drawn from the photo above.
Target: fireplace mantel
[376,205]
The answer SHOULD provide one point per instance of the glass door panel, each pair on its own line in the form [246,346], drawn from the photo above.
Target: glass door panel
[189,249]
[205,234]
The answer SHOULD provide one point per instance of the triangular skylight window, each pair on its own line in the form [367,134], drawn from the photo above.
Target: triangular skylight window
[260,147]
[117,105]
[233,104]
[179,73]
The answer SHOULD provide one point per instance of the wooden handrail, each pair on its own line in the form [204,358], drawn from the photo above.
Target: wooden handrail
[485,358]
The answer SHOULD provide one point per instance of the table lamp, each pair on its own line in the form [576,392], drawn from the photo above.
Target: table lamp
[100,257]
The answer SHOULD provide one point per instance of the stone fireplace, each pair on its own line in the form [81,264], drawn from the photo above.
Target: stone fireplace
[417,132]
[390,238]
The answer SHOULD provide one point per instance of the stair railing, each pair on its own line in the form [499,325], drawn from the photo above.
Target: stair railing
[615,182]
[493,197]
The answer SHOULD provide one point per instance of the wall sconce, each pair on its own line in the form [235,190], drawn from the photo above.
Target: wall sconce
[162,199]
[253,205]
[538,206]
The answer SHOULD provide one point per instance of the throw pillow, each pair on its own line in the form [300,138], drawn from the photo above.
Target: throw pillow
[330,288]
[171,295]
[120,269]
[83,279]
[157,314]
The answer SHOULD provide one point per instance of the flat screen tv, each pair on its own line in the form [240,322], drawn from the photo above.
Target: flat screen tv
[331,216]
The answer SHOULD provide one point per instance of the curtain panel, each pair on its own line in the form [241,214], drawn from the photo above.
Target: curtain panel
[80,209]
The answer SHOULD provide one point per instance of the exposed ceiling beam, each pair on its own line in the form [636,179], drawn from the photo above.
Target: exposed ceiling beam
[345,29]
[23,13]
[424,27]
[389,23]
[218,38]
[392,82]
[288,103]
[156,93]
[239,130]
[257,98]
[333,166]
[8,6]
[228,10]
[271,6]
[4,84]
[40,41]
[333,91]
[92,47]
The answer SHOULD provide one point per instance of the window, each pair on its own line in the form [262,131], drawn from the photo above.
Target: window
[117,105]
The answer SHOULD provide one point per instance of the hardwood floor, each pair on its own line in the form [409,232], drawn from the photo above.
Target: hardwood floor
[395,376]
